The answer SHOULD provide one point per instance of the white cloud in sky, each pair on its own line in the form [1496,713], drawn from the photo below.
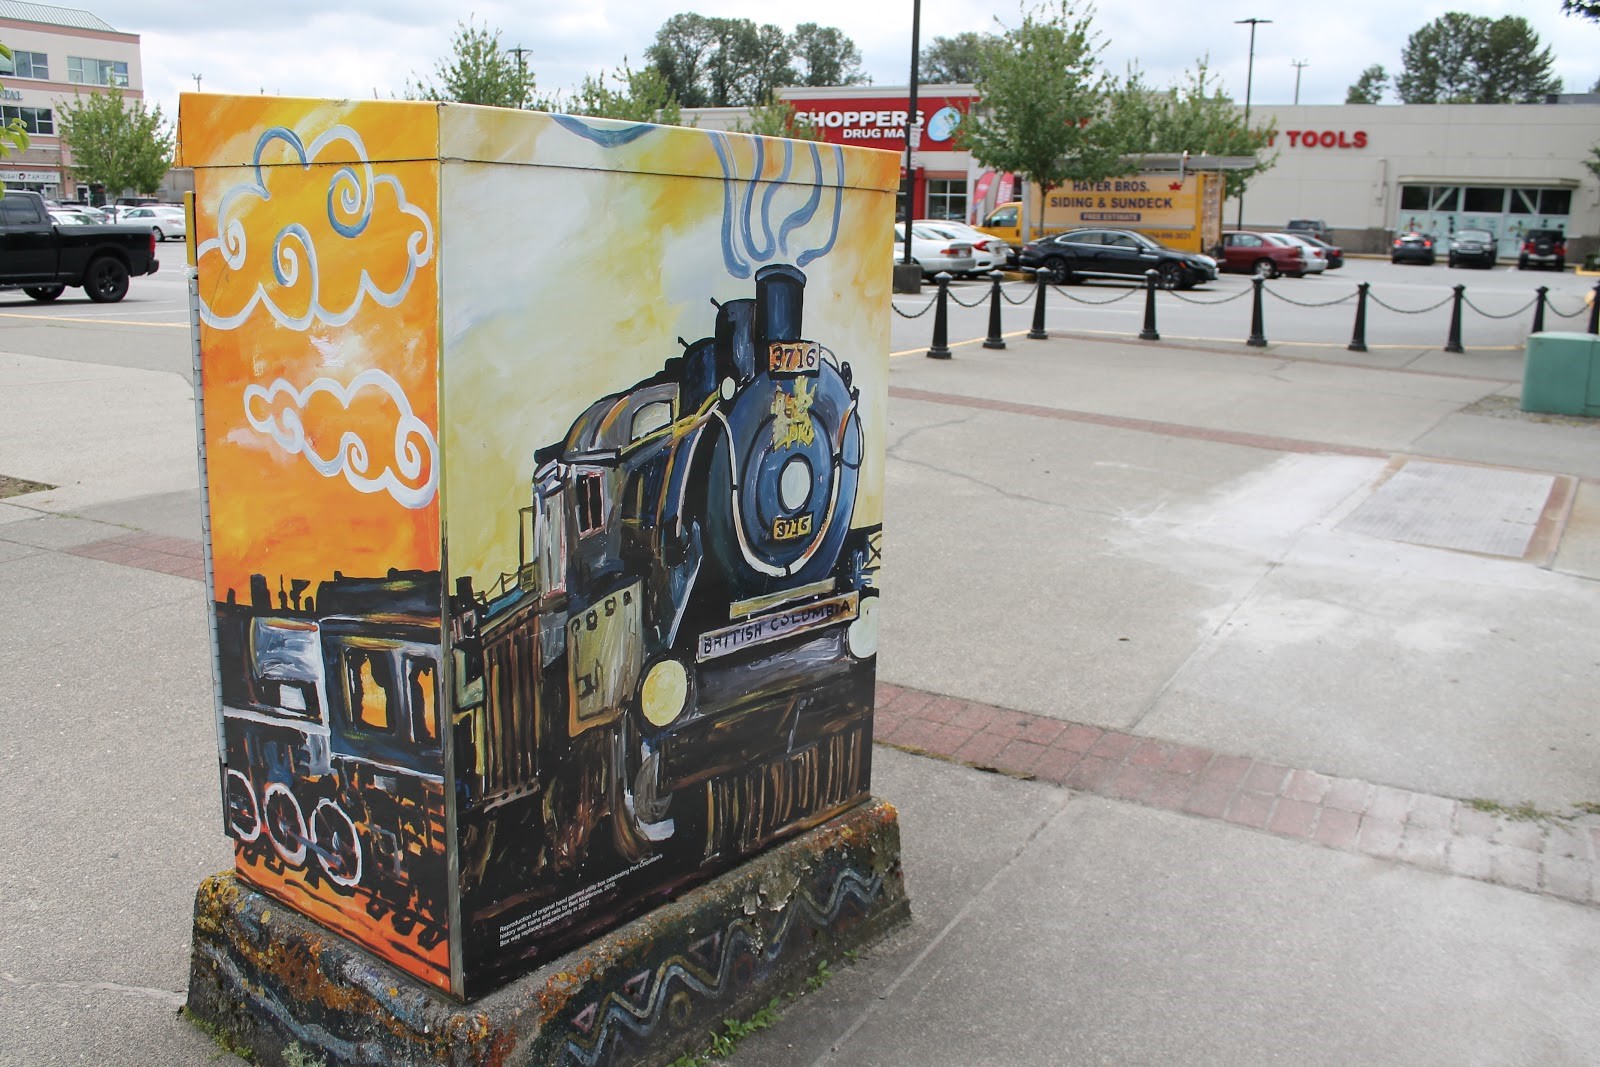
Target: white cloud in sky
[363,48]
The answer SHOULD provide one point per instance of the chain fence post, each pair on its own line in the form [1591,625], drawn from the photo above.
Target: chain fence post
[1258,337]
[1040,284]
[1594,310]
[941,319]
[1538,310]
[1149,332]
[994,340]
[1453,342]
[1358,339]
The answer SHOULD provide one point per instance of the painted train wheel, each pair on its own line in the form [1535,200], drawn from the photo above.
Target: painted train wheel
[338,845]
[244,817]
[286,823]
[640,820]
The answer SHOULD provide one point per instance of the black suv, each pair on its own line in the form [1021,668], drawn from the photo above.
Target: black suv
[1543,248]
[1079,254]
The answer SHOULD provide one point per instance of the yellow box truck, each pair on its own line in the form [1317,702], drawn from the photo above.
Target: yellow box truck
[1180,212]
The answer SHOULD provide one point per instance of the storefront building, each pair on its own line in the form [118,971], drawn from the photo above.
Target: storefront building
[57,53]
[1367,170]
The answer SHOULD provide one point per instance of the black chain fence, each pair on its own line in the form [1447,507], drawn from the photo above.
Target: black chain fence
[1550,306]
[1303,304]
[1491,315]
[1120,296]
[1410,311]
[1210,303]
[983,297]
[918,314]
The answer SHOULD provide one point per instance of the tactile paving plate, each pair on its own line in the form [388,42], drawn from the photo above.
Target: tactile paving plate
[1445,505]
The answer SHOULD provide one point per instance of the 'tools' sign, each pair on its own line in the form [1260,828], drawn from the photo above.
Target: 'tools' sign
[1321,138]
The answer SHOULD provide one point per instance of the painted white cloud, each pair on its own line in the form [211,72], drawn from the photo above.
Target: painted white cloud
[293,255]
[415,449]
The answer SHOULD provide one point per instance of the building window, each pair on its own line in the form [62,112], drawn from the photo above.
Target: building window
[36,120]
[1555,202]
[1484,200]
[947,199]
[81,71]
[25,65]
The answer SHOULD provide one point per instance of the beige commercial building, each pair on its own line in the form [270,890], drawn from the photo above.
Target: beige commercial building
[57,54]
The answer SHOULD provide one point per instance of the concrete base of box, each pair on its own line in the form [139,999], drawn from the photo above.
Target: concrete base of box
[265,980]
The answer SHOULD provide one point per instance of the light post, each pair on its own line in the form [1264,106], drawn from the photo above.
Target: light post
[907,275]
[1249,76]
[1298,65]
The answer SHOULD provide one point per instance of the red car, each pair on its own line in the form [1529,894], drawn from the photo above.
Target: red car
[1245,252]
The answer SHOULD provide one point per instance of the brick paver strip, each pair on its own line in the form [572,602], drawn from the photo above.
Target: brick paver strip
[1556,857]
[150,552]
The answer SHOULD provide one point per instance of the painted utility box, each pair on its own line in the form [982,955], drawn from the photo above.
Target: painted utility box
[1561,374]
[544,490]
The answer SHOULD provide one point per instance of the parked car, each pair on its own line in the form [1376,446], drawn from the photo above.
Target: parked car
[1079,254]
[1331,252]
[1310,228]
[1543,248]
[164,220]
[1472,248]
[1248,252]
[990,252]
[1316,259]
[1413,247]
[42,257]
[932,252]
[72,217]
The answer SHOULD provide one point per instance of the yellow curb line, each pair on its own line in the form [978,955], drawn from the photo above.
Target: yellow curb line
[104,322]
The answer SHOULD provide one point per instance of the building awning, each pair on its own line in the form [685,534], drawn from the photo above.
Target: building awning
[1516,183]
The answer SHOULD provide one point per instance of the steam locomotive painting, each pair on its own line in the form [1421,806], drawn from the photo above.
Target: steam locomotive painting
[678,671]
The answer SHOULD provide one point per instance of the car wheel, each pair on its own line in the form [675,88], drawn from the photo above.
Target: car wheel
[106,280]
[1561,264]
[1057,266]
[158,234]
[1169,276]
[1451,263]
[1265,268]
[1522,262]
[44,293]
[1428,262]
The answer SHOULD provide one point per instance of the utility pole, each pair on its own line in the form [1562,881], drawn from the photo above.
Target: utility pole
[196,78]
[522,73]
[1249,76]
[1298,65]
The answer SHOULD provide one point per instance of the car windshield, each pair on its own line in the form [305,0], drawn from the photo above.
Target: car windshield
[1474,235]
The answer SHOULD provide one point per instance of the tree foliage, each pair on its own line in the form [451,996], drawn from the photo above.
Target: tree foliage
[1042,90]
[1368,89]
[730,62]
[776,118]
[115,144]
[1472,59]
[1192,115]
[953,60]
[477,71]
[823,55]
[1584,9]
[637,96]
[13,138]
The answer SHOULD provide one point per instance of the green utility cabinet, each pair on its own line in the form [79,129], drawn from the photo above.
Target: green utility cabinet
[1561,374]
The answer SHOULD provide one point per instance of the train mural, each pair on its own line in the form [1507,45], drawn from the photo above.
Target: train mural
[489,687]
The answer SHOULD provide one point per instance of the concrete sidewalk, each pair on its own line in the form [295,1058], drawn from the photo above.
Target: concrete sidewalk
[1286,661]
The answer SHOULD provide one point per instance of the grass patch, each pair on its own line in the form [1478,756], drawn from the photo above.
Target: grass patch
[733,1031]
[1528,812]
[10,486]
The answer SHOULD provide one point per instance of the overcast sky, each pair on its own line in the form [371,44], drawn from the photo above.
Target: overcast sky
[362,48]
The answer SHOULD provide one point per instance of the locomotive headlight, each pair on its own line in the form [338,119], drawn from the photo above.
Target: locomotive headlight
[794,483]
[664,693]
[862,634]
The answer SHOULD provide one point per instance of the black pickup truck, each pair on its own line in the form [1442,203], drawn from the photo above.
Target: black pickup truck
[42,258]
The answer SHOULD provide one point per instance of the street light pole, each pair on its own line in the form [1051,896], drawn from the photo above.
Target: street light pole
[911,122]
[1298,65]
[1249,76]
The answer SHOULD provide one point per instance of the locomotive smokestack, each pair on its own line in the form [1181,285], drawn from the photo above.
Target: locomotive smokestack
[780,302]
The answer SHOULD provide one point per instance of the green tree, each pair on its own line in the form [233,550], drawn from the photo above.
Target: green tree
[13,138]
[1472,59]
[117,145]
[638,96]
[1368,88]
[477,71]
[720,62]
[776,118]
[823,55]
[1584,9]
[1042,90]
[1593,162]
[1192,115]
[953,60]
